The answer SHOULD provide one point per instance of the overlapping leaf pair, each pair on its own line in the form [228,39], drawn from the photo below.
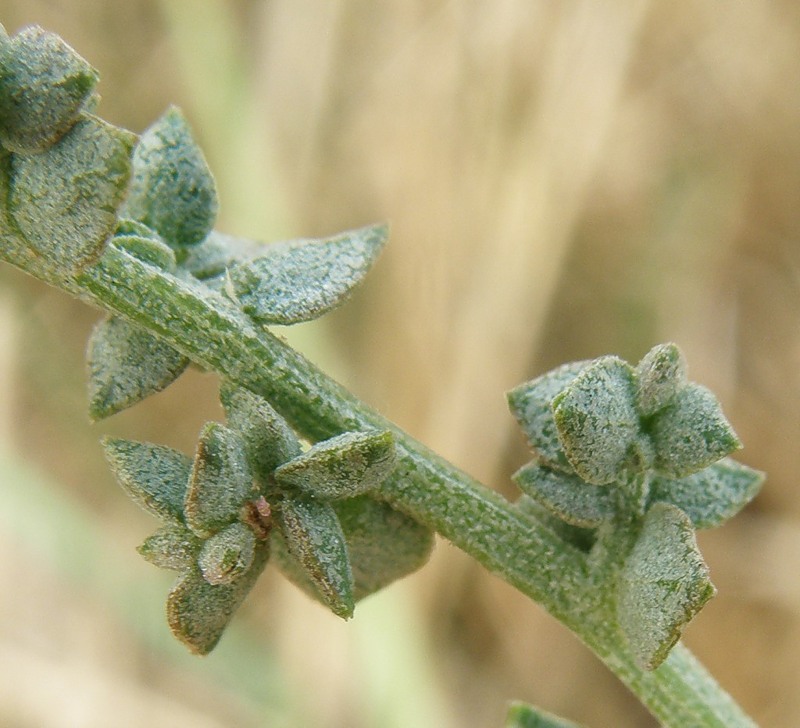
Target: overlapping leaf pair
[643,449]
[63,171]
[251,488]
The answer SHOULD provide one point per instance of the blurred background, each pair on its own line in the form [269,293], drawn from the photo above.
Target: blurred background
[563,180]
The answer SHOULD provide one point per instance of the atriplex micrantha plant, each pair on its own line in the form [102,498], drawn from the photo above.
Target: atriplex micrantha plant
[628,461]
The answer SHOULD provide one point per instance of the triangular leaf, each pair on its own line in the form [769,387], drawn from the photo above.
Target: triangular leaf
[661,373]
[300,280]
[691,433]
[268,439]
[662,586]
[64,201]
[597,422]
[522,715]
[227,555]
[531,404]
[199,612]
[342,467]
[172,190]
[314,537]
[711,496]
[44,85]
[221,481]
[155,476]
[567,496]
[171,547]
[384,544]
[127,364]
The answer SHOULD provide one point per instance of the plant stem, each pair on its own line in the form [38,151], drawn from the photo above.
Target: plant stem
[213,332]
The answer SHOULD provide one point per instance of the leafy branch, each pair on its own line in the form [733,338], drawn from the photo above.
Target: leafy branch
[628,460]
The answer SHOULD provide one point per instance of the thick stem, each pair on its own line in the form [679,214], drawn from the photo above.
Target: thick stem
[212,331]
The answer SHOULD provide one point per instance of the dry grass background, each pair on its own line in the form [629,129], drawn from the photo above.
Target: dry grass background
[563,180]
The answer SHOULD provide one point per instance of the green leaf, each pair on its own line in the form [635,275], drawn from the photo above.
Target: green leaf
[661,373]
[691,433]
[712,495]
[126,364]
[171,547]
[147,249]
[342,467]
[63,202]
[199,612]
[300,280]
[314,538]
[663,585]
[44,85]
[582,538]
[172,190]
[597,422]
[154,476]
[567,496]
[531,404]
[384,544]
[221,481]
[227,554]
[268,439]
[214,255]
[522,715]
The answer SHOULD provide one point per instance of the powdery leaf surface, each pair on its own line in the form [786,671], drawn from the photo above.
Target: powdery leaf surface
[661,373]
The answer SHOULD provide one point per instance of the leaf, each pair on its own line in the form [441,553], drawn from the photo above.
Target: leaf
[663,585]
[712,495]
[691,433]
[522,715]
[661,373]
[171,547]
[268,439]
[567,496]
[154,476]
[199,612]
[384,544]
[64,201]
[44,85]
[172,190]
[227,555]
[127,364]
[341,467]
[214,255]
[221,481]
[300,280]
[581,538]
[314,538]
[531,403]
[597,422]
[147,249]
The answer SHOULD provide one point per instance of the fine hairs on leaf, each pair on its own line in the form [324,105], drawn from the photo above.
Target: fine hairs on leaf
[627,460]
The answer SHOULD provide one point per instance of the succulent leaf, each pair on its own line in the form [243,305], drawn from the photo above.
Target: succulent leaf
[300,280]
[268,439]
[63,202]
[44,85]
[154,476]
[199,612]
[314,538]
[566,496]
[597,422]
[691,433]
[342,467]
[660,374]
[171,547]
[147,249]
[172,190]
[531,404]
[227,555]
[221,481]
[127,364]
[663,585]
[712,495]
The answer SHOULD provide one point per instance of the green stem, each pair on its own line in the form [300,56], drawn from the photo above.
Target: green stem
[212,331]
